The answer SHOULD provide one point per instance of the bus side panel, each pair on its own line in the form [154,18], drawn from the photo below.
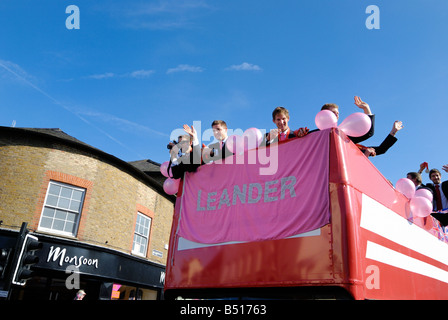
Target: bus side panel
[374,247]
[316,260]
[400,257]
[345,246]
[390,254]
[285,262]
[351,171]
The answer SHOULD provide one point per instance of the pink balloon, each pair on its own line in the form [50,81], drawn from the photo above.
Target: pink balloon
[326,119]
[356,125]
[421,207]
[164,168]
[406,187]
[171,186]
[235,144]
[425,193]
[252,138]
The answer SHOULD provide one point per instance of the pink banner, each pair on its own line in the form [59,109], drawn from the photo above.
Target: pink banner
[244,200]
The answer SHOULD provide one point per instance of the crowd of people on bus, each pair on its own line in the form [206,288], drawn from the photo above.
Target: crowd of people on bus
[438,188]
[186,154]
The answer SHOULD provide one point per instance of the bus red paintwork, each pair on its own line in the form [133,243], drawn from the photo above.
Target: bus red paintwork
[372,249]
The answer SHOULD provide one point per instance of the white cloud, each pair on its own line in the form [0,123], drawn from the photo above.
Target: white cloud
[161,14]
[170,6]
[184,68]
[138,74]
[102,76]
[244,67]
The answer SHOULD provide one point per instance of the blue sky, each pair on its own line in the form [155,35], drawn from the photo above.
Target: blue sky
[136,70]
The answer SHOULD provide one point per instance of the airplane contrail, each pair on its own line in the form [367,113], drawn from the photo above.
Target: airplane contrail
[2,64]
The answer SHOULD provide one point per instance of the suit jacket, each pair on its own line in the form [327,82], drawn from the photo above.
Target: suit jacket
[444,189]
[187,163]
[385,145]
[218,152]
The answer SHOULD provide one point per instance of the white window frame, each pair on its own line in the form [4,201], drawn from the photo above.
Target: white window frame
[138,234]
[77,213]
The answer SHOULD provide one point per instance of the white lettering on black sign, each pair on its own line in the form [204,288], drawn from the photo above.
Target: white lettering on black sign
[60,255]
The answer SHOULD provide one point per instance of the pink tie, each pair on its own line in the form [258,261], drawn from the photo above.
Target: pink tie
[282,136]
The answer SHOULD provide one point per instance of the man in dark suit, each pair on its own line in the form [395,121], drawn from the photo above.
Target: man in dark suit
[362,105]
[217,150]
[416,178]
[439,189]
[386,144]
[186,155]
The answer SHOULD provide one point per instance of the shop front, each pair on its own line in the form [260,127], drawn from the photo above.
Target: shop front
[66,266]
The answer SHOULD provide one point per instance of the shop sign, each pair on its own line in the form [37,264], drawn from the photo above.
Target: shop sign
[59,255]
[92,261]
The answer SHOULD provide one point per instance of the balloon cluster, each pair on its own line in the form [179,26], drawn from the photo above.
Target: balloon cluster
[355,125]
[420,201]
[170,186]
[251,139]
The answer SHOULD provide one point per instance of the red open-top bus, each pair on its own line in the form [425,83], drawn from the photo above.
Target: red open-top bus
[368,244]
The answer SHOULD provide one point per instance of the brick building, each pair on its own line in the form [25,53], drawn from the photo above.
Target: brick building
[109,217]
